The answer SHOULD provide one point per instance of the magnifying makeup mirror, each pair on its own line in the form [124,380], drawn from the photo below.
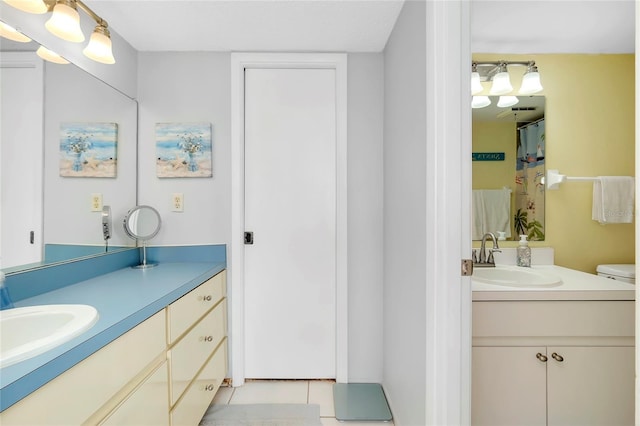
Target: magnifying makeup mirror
[142,223]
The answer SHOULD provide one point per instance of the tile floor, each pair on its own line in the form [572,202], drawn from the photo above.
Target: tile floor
[288,392]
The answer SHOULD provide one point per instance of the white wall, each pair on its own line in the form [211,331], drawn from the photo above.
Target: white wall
[186,88]
[72,95]
[365,180]
[405,217]
[195,87]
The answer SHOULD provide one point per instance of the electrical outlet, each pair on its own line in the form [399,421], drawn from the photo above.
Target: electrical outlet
[177,202]
[96,202]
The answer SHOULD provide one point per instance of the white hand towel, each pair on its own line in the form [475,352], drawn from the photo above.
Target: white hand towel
[613,199]
[491,212]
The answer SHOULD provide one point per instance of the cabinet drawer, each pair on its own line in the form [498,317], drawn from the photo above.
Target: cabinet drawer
[190,353]
[74,395]
[185,311]
[148,405]
[196,400]
[554,319]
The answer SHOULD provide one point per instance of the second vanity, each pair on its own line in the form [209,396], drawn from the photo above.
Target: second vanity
[157,354]
[561,354]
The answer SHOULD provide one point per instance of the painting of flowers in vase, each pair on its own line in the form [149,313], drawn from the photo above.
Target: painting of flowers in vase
[88,149]
[183,150]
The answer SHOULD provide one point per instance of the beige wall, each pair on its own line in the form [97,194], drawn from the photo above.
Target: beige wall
[590,132]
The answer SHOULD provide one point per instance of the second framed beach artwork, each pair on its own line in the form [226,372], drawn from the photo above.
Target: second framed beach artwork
[183,150]
[88,149]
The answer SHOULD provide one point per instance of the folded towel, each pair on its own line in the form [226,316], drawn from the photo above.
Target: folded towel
[613,199]
[491,212]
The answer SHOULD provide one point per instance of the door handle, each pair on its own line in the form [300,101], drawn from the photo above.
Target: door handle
[248,238]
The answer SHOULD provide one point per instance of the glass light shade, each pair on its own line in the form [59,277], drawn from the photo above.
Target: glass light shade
[8,32]
[29,6]
[51,56]
[99,47]
[476,86]
[480,102]
[507,101]
[501,84]
[530,83]
[65,23]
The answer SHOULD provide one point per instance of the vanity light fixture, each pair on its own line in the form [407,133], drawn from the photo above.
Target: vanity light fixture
[8,32]
[498,73]
[65,23]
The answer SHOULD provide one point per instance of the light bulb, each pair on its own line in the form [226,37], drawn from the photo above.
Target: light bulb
[99,47]
[480,102]
[8,32]
[50,55]
[65,22]
[476,86]
[531,81]
[507,101]
[501,83]
[29,6]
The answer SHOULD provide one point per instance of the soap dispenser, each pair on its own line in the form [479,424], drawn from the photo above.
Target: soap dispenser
[524,252]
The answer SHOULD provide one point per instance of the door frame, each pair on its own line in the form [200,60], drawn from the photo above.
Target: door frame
[449,295]
[239,63]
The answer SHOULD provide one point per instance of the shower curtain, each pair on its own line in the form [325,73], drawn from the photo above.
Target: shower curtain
[530,170]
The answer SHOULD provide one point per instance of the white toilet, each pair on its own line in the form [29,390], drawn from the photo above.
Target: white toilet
[620,272]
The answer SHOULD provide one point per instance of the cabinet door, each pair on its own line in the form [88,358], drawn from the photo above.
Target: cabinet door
[508,386]
[591,386]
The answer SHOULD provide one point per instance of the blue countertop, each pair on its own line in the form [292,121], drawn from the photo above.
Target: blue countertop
[124,298]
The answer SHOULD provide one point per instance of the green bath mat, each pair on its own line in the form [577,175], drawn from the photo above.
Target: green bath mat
[360,402]
[262,415]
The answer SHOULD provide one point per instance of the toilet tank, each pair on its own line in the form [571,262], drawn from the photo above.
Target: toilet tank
[620,272]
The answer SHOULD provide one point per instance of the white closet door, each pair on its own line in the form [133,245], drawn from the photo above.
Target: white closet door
[21,158]
[290,206]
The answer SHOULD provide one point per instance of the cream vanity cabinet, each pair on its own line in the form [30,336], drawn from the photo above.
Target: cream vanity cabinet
[165,371]
[197,349]
[553,363]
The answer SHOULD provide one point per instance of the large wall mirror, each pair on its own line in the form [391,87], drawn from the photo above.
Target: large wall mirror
[509,145]
[48,216]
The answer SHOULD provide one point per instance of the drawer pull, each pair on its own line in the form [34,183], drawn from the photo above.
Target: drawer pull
[209,388]
[541,357]
[557,357]
[208,338]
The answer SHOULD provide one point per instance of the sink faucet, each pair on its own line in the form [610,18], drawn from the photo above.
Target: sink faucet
[483,259]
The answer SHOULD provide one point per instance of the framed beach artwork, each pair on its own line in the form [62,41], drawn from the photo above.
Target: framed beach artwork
[183,150]
[88,149]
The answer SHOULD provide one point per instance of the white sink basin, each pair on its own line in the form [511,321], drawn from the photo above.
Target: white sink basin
[514,276]
[29,331]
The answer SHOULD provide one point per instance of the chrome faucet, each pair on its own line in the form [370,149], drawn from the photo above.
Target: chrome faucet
[482,259]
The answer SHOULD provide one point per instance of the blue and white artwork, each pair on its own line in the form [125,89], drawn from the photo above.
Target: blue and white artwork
[183,150]
[88,149]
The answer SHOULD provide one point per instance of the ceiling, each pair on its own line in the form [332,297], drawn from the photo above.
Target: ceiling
[505,26]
